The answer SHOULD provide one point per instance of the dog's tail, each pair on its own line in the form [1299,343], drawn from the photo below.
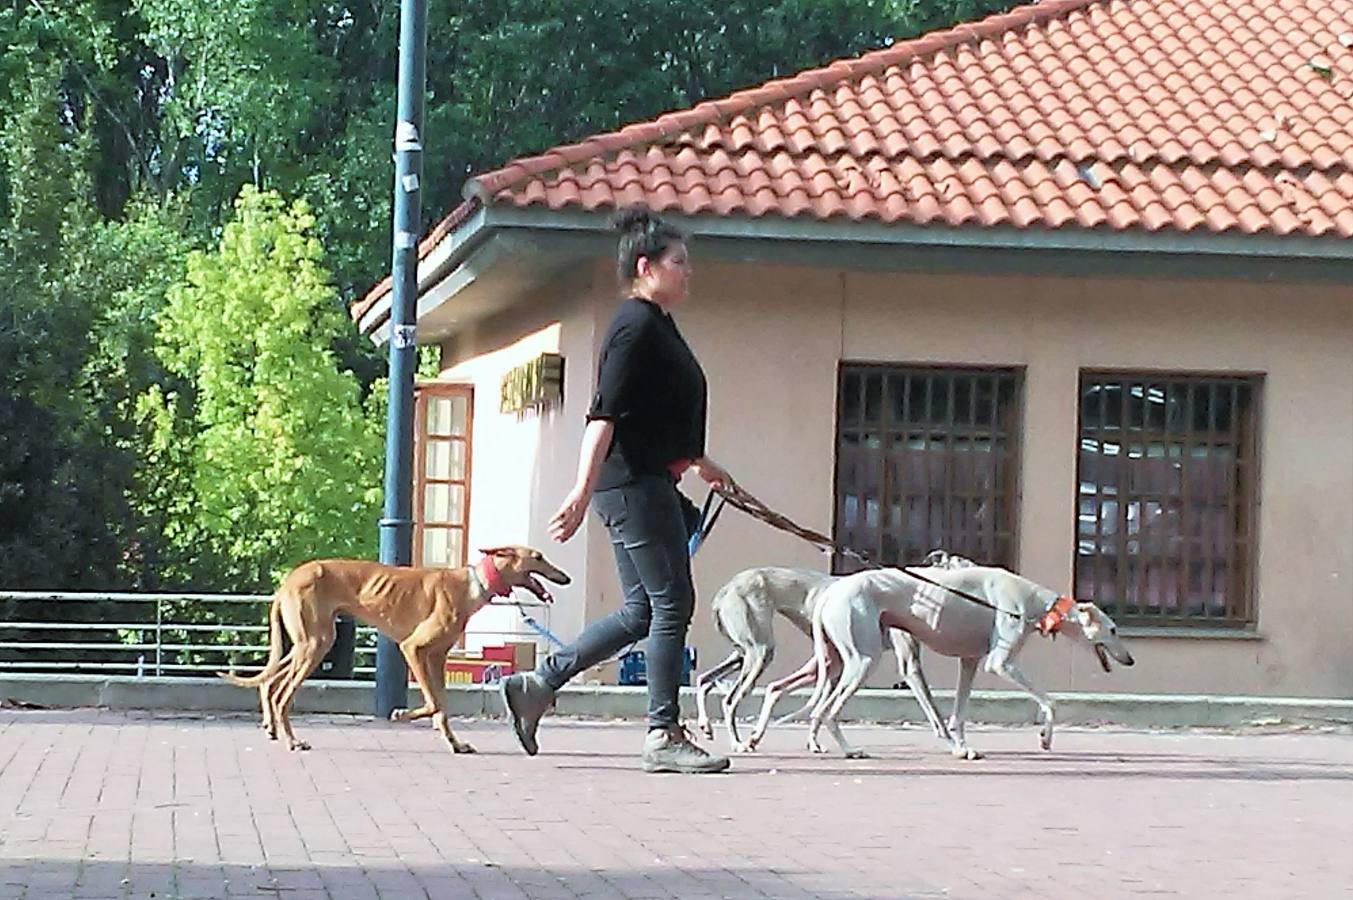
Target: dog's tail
[819,688]
[275,657]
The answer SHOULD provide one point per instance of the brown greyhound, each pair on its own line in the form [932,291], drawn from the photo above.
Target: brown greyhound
[424,610]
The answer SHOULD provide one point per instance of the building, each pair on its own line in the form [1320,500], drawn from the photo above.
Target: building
[1066,289]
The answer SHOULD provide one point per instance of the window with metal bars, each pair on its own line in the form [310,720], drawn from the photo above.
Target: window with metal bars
[927,458]
[1167,474]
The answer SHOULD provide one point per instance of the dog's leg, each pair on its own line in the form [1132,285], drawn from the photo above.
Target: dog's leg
[265,704]
[268,693]
[412,648]
[427,664]
[855,633]
[753,666]
[436,663]
[967,669]
[1006,668]
[855,668]
[908,651]
[805,674]
[704,683]
[309,653]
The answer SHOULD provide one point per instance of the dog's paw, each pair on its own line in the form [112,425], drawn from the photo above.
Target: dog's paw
[298,745]
[1045,739]
[856,754]
[966,753]
[398,715]
[705,728]
[462,747]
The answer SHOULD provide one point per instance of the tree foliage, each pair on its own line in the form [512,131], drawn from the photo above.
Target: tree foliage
[175,364]
[274,455]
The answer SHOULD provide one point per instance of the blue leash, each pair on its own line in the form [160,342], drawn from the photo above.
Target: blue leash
[538,628]
[707,520]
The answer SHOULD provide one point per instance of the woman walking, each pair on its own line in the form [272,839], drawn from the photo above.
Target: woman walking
[646,426]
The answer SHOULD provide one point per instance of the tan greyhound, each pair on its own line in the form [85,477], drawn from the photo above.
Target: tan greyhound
[424,610]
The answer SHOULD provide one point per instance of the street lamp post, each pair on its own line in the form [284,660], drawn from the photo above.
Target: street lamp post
[396,526]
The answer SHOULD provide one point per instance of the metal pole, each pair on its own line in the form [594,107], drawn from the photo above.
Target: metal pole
[396,527]
[159,636]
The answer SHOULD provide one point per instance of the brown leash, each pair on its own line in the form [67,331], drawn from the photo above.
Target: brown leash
[736,495]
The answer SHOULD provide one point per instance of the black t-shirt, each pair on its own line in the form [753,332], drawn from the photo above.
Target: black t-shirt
[651,386]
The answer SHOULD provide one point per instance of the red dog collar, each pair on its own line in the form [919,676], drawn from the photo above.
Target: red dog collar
[492,578]
[1052,620]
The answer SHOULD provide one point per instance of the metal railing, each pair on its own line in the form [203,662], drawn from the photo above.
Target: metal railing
[151,634]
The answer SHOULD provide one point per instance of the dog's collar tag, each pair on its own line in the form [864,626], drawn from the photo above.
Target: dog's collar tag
[1052,620]
[492,579]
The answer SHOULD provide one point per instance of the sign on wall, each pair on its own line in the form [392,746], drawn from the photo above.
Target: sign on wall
[536,384]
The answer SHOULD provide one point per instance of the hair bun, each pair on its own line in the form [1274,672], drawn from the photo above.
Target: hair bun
[634,218]
[643,233]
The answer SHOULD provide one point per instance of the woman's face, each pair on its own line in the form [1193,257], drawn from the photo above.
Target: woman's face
[665,280]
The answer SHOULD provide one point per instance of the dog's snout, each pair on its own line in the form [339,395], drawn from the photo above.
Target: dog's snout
[558,576]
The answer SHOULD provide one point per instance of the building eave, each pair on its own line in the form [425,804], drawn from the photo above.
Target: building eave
[492,235]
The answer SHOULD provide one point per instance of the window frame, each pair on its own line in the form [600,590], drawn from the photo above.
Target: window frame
[1240,601]
[1007,378]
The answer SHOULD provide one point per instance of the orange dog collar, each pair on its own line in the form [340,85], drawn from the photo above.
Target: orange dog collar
[1052,620]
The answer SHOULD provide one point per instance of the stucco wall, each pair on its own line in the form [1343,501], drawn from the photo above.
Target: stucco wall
[523,464]
[771,339]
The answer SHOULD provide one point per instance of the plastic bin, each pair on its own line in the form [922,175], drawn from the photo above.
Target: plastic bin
[633,670]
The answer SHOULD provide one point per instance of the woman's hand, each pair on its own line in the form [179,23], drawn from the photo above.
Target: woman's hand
[713,473]
[565,522]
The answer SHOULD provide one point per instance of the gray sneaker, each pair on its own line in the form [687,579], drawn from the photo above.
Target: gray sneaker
[526,697]
[671,750]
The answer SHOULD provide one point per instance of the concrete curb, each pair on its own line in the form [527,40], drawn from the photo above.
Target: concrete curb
[609,701]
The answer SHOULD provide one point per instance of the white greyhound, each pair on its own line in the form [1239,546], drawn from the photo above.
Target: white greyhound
[744,612]
[853,612]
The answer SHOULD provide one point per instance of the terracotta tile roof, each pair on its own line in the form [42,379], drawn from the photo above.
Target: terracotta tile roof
[1224,116]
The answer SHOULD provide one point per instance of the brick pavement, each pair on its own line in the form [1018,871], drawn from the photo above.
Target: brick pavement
[102,804]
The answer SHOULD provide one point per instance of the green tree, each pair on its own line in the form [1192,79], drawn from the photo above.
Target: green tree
[276,458]
[125,268]
[54,511]
[128,127]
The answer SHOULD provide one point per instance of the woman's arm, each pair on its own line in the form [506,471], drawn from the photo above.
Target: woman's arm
[596,441]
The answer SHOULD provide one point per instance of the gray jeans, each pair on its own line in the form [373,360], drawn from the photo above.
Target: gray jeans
[650,522]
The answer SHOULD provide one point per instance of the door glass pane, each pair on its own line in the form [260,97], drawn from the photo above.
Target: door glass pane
[442,504]
[460,407]
[446,460]
[443,546]
[446,416]
[439,415]
[436,546]
[457,471]
[438,459]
